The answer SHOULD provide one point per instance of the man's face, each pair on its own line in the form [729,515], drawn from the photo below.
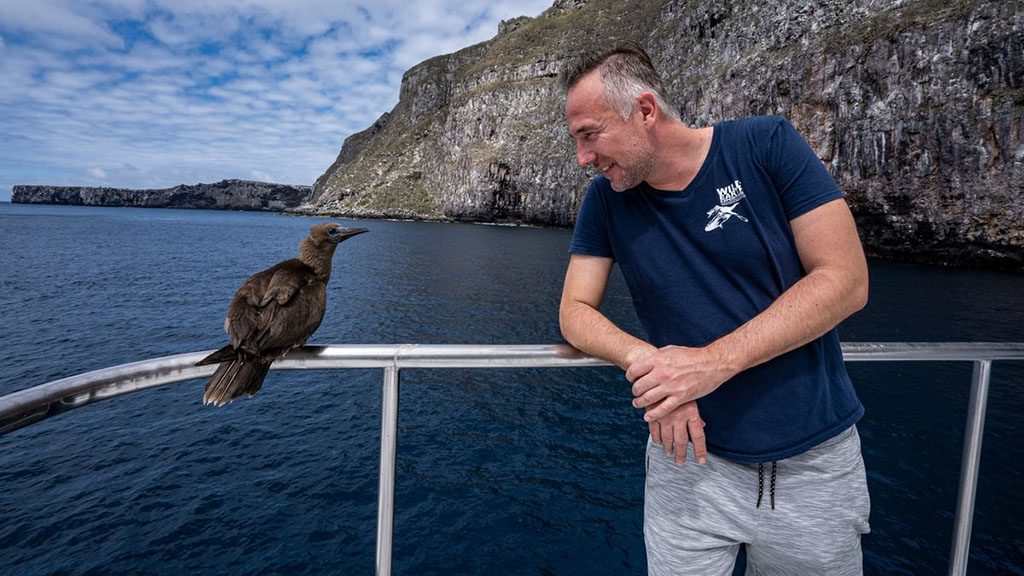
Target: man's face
[618,148]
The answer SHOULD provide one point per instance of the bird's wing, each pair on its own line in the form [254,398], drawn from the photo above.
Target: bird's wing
[293,323]
[270,312]
[283,285]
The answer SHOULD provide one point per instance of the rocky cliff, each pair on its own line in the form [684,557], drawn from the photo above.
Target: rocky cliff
[915,106]
[223,195]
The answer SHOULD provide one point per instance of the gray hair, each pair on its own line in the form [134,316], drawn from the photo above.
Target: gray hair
[626,72]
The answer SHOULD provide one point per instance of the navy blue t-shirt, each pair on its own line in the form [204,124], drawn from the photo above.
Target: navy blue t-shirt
[702,261]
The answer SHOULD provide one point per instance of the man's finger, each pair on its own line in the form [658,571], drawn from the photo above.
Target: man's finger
[638,369]
[666,407]
[655,428]
[681,443]
[667,437]
[651,397]
[700,449]
[643,383]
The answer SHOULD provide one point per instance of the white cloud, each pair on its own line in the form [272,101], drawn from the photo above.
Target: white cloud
[152,93]
[56,17]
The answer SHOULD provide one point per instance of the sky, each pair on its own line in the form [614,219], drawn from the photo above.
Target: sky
[155,93]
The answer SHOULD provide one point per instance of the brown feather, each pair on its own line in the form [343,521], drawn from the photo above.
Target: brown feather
[272,312]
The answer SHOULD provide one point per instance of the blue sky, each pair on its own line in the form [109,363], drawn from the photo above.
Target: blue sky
[155,93]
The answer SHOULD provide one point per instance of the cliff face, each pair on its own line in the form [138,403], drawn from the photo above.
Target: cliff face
[223,195]
[916,107]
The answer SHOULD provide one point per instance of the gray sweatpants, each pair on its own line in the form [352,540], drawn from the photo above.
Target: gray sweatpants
[696,516]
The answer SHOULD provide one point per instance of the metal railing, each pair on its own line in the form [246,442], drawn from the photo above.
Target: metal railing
[25,407]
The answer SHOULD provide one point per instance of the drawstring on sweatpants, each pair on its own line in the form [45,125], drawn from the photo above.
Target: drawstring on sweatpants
[760,483]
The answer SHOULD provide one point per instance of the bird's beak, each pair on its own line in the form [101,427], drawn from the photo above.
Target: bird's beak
[346,233]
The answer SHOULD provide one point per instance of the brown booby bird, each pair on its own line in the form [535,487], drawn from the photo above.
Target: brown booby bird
[274,311]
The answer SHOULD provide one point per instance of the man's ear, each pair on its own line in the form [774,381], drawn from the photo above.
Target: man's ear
[647,106]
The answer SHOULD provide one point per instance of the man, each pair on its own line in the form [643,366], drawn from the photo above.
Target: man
[741,257]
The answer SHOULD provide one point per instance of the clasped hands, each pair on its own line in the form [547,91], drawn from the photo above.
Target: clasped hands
[666,383]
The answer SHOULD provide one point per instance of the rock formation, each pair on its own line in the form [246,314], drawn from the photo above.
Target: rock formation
[223,195]
[915,106]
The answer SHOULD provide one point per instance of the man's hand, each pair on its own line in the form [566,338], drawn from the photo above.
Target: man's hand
[676,430]
[674,376]
[680,426]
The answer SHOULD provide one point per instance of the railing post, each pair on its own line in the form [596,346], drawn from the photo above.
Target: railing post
[969,468]
[386,487]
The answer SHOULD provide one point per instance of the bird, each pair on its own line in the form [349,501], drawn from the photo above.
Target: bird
[272,312]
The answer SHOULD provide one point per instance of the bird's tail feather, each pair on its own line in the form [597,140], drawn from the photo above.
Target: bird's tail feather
[233,379]
[225,354]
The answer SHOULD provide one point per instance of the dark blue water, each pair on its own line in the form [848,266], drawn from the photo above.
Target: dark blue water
[502,472]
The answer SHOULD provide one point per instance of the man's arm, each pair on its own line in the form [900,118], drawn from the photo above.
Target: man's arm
[834,287]
[582,323]
[586,328]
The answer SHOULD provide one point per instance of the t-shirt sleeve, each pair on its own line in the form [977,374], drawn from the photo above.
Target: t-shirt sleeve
[590,236]
[800,178]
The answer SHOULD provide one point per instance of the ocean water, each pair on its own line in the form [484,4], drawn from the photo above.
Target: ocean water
[499,472]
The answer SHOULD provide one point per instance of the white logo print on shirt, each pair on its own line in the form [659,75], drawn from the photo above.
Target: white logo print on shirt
[728,200]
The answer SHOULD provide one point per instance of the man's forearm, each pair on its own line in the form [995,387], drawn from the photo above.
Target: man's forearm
[836,286]
[809,309]
[592,332]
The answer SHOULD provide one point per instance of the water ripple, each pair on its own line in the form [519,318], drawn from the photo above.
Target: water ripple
[501,472]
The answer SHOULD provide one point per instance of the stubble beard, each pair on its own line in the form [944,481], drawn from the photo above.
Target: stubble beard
[641,164]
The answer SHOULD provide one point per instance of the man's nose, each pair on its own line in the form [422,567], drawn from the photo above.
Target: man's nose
[584,156]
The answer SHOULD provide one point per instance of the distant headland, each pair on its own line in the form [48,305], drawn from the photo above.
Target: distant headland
[224,195]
